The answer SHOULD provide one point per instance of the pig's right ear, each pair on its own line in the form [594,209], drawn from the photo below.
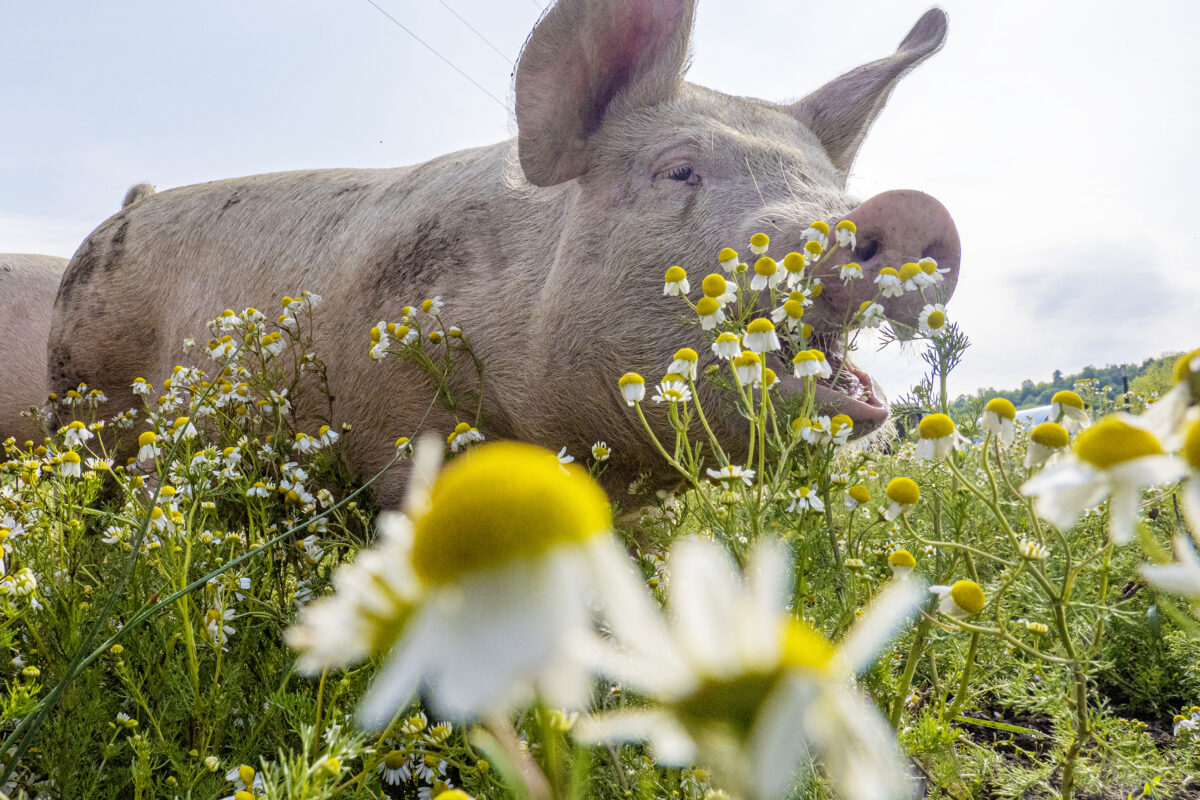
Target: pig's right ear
[587,59]
[842,111]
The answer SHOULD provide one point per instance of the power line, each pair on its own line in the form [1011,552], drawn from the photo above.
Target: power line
[448,62]
[477,33]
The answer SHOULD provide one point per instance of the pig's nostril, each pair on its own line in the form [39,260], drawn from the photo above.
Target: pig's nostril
[866,250]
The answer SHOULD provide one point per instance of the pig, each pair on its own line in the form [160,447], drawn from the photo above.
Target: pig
[548,250]
[28,284]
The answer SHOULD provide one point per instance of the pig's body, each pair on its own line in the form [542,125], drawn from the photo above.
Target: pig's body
[27,287]
[547,250]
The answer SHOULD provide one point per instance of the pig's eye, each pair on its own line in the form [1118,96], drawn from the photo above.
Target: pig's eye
[683,173]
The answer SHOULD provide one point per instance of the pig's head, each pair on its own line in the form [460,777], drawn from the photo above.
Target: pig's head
[646,171]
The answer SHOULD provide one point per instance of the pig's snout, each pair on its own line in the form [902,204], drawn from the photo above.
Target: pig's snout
[895,228]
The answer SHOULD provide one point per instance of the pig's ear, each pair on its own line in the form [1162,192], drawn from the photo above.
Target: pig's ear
[842,111]
[586,59]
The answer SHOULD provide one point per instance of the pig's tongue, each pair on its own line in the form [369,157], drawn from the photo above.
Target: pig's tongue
[867,410]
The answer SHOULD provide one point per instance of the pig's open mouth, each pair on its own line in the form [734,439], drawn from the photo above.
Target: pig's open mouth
[850,390]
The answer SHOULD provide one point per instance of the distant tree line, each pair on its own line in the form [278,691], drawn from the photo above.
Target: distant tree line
[1153,374]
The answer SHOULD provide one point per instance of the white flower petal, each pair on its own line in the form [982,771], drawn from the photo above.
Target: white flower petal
[885,617]
[671,744]
[704,590]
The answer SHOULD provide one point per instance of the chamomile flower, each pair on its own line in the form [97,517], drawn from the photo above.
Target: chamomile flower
[845,233]
[902,563]
[676,282]
[731,473]
[1045,441]
[728,259]
[760,336]
[148,448]
[75,434]
[1066,408]
[464,434]
[998,417]
[394,768]
[1116,457]
[817,232]
[69,464]
[747,366]
[1032,551]
[793,266]
[719,289]
[710,313]
[562,456]
[727,346]
[938,437]
[767,274]
[930,268]
[1168,414]
[811,363]
[633,387]
[500,565]
[912,279]
[804,499]
[684,362]
[792,311]
[759,243]
[433,305]
[813,251]
[870,315]
[817,431]
[841,426]
[850,272]
[142,388]
[888,281]
[857,495]
[961,600]
[672,390]
[932,319]
[904,494]
[600,451]
[744,687]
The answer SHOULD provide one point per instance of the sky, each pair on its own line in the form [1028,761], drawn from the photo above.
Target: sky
[1062,136]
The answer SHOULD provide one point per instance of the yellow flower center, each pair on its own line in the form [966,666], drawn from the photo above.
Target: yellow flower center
[816,290]
[814,247]
[1002,408]
[146,438]
[760,240]
[630,377]
[504,501]
[936,426]
[765,267]
[860,494]
[936,320]
[1113,441]
[727,254]
[1050,434]
[748,358]
[822,226]
[246,773]
[394,759]
[70,457]
[242,794]
[426,305]
[889,271]
[675,275]
[769,376]
[1182,368]
[453,794]
[793,262]
[707,306]
[928,266]
[794,309]
[904,491]
[713,285]
[727,337]
[968,596]
[760,325]
[902,558]
[1191,445]
[1067,398]
[909,271]
[841,421]
[686,354]
[847,225]
[805,355]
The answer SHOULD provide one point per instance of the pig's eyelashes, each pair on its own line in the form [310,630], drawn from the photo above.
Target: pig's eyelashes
[682,173]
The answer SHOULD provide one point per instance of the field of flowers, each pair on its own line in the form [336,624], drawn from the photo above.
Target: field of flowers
[983,609]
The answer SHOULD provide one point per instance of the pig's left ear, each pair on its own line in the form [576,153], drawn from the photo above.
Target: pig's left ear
[842,111]
[587,59]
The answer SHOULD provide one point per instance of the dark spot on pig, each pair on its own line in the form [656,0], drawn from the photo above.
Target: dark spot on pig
[79,272]
[230,202]
[358,187]
[116,247]
[415,258]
